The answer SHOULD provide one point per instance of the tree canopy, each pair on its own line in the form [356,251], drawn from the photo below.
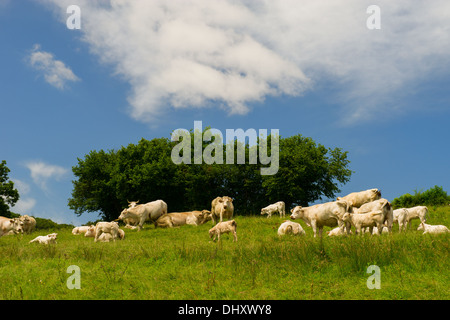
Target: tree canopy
[106,180]
[8,194]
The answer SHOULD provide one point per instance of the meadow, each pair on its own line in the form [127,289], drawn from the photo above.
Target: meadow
[182,263]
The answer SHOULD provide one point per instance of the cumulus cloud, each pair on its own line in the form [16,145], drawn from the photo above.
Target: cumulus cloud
[41,172]
[198,53]
[25,204]
[55,72]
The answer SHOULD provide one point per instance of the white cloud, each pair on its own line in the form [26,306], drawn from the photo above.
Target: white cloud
[188,54]
[25,204]
[55,72]
[42,172]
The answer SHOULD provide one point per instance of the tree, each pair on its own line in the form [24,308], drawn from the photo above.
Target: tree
[307,172]
[8,195]
[146,172]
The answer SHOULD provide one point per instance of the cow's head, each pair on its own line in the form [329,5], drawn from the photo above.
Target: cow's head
[90,232]
[204,217]
[297,213]
[132,204]
[225,201]
[17,225]
[346,217]
[124,214]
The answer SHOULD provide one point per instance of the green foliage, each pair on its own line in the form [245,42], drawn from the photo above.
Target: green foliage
[435,196]
[8,195]
[146,172]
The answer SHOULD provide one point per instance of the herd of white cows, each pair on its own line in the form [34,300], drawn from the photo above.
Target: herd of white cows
[365,211]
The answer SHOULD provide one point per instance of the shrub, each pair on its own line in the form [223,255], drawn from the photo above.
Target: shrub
[435,196]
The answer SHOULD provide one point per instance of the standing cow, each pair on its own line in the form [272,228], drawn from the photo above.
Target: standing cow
[327,214]
[357,199]
[277,207]
[149,211]
[221,207]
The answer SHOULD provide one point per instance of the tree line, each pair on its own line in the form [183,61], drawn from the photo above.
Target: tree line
[107,180]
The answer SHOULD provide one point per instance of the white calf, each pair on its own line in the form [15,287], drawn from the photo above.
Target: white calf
[289,227]
[363,220]
[223,227]
[428,228]
[50,238]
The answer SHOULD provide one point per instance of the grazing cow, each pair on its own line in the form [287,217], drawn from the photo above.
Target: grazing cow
[277,207]
[178,219]
[357,199]
[149,211]
[29,223]
[221,228]
[419,212]
[10,226]
[50,238]
[320,215]
[382,205]
[289,227]
[436,229]
[221,207]
[107,227]
[363,220]
[400,217]
[81,230]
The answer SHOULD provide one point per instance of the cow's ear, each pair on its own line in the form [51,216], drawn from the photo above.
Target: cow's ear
[220,200]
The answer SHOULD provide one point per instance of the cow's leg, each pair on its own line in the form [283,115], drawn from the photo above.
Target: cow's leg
[314,227]
[235,235]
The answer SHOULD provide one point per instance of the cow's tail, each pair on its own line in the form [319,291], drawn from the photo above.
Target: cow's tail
[233,223]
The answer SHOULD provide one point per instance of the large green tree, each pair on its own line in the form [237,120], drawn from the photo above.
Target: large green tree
[146,172]
[8,194]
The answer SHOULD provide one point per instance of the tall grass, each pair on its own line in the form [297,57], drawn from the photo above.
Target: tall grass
[182,263]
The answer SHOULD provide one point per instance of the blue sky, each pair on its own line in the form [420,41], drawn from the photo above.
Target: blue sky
[140,69]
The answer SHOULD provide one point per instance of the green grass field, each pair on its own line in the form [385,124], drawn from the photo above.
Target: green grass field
[182,263]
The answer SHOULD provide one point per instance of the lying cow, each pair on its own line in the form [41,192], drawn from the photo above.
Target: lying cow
[327,214]
[50,238]
[107,237]
[10,226]
[178,219]
[289,227]
[150,211]
[277,207]
[357,199]
[106,227]
[433,229]
[221,228]
[81,230]
[221,207]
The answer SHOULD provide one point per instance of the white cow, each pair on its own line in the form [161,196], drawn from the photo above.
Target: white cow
[106,227]
[277,207]
[382,205]
[149,211]
[107,237]
[336,232]
[419,212]
[50,238]
[222,207]
[90,233]
[400,217]
[10,226]
[289,227]
[221,228]
[178,219]
[357,199]
[433,229]
[29,223]
[363,220]
[81,230]
[327,214]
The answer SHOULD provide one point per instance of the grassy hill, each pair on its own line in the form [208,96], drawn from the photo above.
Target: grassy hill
[181,263]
